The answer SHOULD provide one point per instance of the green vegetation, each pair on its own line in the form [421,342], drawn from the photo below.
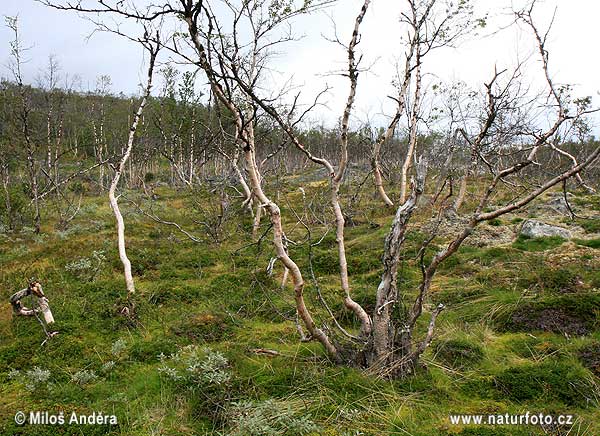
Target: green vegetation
[549,381]
[592,243]
[590,225]
[458,353]
[552,280]
[520,332]
[495,222]
[537,244]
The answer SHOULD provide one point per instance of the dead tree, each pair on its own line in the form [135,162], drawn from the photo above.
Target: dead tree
[103,84]
[34,288]
[5,175]
[23,115]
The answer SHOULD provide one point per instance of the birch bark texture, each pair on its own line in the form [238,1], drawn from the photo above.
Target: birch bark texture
[113,198]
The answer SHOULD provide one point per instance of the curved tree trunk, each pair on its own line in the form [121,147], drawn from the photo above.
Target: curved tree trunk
[114,204]
[245,138]
[247,203]
[377,175]
[336,179]
[278,235]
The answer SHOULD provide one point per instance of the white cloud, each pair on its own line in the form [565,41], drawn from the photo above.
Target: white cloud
[571,45]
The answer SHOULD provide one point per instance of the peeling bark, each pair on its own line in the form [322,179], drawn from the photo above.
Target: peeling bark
[387,292]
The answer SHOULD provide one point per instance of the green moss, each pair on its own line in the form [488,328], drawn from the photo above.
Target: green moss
[558,381]
[148,350]
[592,243]
[478,387]
[493,255]
[325,262]
[458,353]
[177,292]
[551,280]
[537,244]
[143,260]
[590,225]
[363,262]
[571,314]
[207,327]
[496,222]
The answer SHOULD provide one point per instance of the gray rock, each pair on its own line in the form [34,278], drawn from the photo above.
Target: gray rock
[537,229]
[557,202]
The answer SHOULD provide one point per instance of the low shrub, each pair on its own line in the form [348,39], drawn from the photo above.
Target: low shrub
[267,418]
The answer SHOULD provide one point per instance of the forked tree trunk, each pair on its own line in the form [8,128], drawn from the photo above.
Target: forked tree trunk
[389,133]
[247,203]
[383,350]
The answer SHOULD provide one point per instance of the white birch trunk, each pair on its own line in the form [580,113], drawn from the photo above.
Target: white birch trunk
[114,204]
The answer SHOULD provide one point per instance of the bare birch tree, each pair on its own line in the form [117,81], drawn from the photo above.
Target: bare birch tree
[17,51]
[390,342]
[151,44]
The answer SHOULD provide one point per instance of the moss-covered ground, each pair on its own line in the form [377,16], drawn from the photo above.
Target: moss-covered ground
[521,330]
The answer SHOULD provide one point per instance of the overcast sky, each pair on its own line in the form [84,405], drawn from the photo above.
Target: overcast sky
[572,45]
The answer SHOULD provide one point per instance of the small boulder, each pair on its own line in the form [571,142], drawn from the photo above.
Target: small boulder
[537,229]
[558,204]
